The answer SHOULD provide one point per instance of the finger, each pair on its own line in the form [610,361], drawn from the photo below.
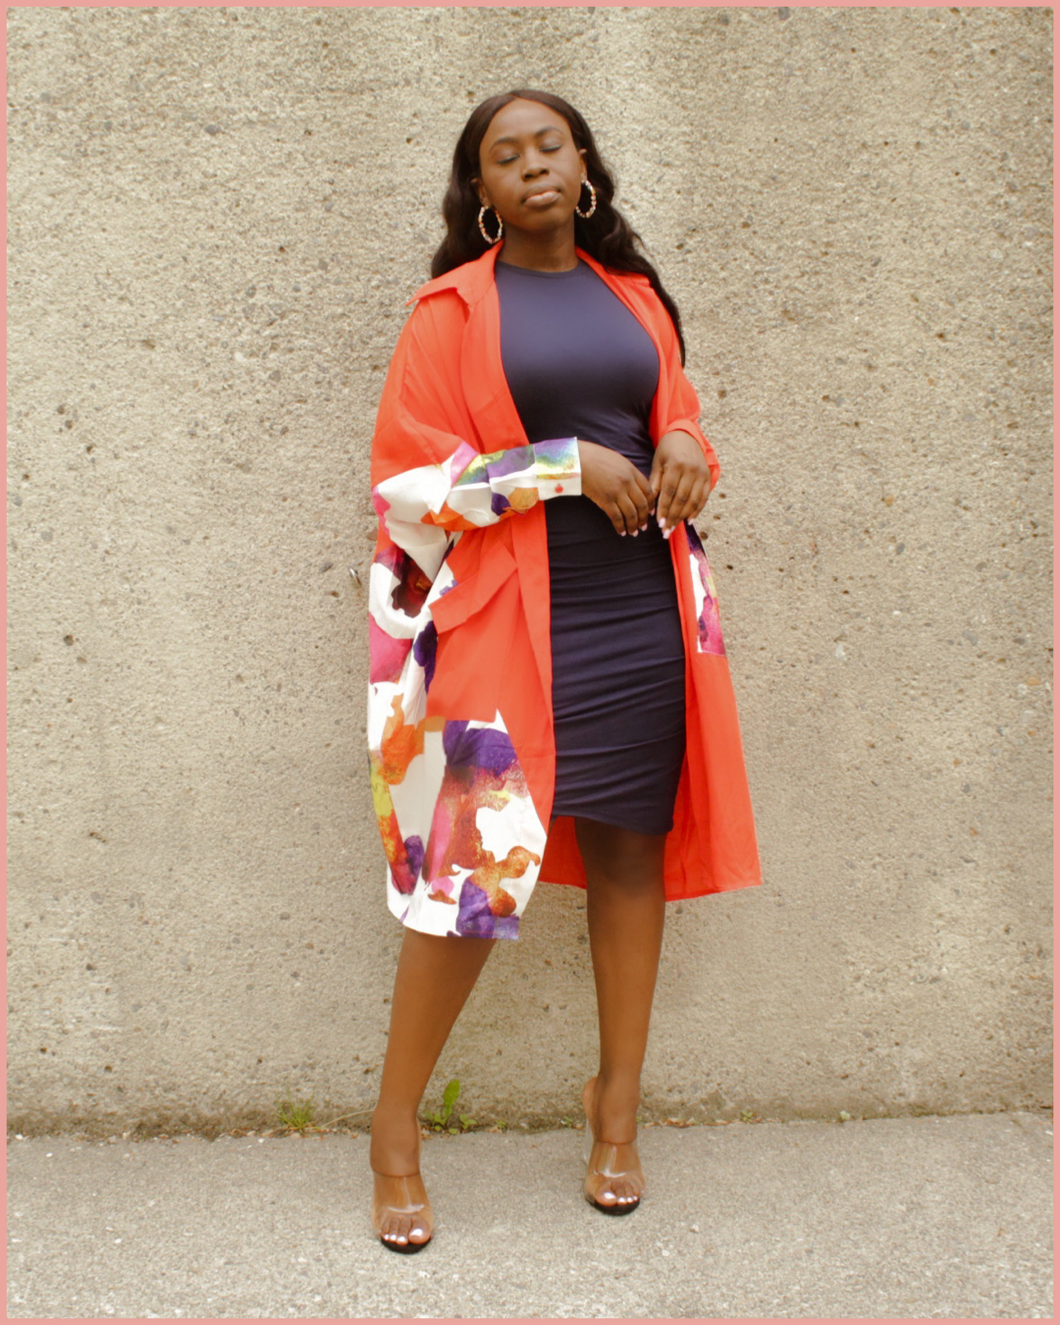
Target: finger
[616,516]
[655,479]
[685,484]
[701,497]
[639,491]
[632,521]
[667,495]
[641,497]
[682,502]
[643,484]
[691,502]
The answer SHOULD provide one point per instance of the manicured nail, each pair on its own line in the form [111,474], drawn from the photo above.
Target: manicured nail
[662,522]
[667,533]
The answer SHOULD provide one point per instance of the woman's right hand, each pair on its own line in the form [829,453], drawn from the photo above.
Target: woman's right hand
[617,486]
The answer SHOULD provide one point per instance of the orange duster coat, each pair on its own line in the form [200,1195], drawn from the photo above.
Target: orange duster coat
[460,729]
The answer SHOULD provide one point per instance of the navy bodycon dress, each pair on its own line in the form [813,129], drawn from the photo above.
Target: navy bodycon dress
[578,363]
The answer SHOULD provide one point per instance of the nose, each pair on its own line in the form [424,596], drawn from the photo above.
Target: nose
[533,164]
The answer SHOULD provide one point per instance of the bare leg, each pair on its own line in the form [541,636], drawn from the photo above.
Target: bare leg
[625,908]
[434,977]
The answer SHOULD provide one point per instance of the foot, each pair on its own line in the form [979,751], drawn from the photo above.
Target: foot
[614,1179]
[401,1212]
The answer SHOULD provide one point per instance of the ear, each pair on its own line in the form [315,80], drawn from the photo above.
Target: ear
[479,188]
[581,153]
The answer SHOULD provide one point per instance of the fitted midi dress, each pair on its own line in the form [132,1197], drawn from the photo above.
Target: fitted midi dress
[578,363]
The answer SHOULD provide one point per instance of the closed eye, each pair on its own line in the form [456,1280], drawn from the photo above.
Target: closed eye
[507,160]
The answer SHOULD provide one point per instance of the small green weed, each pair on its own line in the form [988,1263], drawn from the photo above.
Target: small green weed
[440,1121]
[295,1115]
[749,1116]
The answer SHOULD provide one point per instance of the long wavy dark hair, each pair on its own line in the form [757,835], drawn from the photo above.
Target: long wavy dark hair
[606,235]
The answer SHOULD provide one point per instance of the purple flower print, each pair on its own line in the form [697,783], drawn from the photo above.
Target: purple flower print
[476,920]
[425,650]
[477,747]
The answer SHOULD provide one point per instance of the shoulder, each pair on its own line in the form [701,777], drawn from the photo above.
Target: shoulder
[631,280]
[469,282]
[628,280]
[637,290]
[633,286]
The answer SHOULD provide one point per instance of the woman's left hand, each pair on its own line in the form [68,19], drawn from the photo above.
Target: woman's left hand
[680,480]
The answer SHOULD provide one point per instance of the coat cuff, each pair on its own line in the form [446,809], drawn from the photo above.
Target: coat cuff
[559,471]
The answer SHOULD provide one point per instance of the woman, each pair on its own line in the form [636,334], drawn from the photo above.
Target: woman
[545,640]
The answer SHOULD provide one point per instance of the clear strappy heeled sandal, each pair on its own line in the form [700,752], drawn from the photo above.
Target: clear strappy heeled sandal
[408,1200]
[606,1161]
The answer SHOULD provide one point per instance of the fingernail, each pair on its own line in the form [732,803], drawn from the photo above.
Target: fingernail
[662,522]
[636,532]
[667,533]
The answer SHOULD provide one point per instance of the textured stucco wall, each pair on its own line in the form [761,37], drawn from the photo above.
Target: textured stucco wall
[215,218]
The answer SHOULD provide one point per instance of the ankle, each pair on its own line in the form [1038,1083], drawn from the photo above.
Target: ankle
[394,1146]
[401,1112]
[613,1104]
[618,1089]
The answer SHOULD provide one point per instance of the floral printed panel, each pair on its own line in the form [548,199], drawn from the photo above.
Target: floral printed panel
[706,598]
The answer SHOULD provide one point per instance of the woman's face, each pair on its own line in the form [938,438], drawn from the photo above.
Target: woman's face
[530,171]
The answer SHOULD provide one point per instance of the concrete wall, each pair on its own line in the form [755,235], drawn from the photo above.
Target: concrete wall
[215,218]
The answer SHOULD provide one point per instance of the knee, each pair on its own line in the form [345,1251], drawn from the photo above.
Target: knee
[620,857]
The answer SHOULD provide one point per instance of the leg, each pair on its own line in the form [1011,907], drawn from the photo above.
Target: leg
[625,907]
[434,977]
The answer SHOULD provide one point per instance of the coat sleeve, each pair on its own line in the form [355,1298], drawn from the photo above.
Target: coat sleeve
[429,477]
[679,403]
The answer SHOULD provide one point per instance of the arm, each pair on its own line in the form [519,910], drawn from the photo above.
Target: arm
[686,468]
[428,478]
[467,490]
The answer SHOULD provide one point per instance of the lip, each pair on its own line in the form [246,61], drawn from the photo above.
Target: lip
[542,196]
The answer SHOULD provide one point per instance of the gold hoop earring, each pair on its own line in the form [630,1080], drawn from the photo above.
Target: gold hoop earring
[592,201]
[490,239]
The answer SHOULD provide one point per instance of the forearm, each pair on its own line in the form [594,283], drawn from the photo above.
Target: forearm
[470,490]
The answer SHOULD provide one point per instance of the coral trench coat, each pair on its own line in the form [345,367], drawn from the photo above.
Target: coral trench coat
[460,730]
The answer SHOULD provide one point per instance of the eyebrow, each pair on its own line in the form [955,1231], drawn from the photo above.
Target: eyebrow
[510,138]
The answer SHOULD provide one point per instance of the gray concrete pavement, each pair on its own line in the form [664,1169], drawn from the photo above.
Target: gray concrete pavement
[906,1217]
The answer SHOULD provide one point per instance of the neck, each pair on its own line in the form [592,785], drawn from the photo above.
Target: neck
[553,251]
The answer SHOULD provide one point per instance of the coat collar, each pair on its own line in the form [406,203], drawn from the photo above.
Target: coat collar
[471,280]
